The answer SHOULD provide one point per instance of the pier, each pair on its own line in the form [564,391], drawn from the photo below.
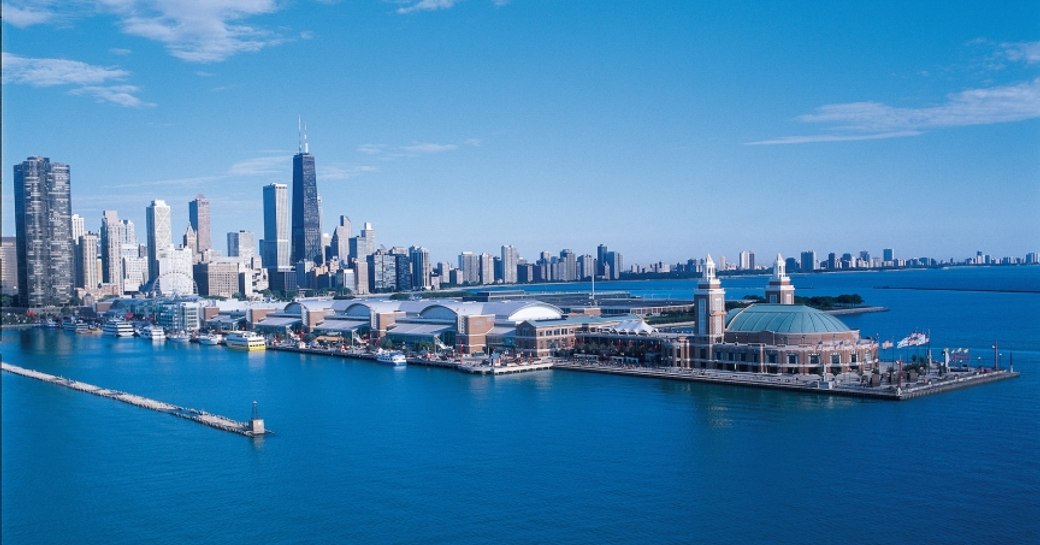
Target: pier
[472,366]
[800,383]
[254,428]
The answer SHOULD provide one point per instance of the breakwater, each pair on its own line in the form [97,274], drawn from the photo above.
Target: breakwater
[196,415]
[800,383]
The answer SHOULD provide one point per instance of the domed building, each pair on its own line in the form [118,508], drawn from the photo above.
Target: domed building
[774,337]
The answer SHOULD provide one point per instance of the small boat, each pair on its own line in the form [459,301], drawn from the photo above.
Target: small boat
[153,333]
[118,328]
[211,339]
[245,340]
[70,324]
[395,359]
[179,337]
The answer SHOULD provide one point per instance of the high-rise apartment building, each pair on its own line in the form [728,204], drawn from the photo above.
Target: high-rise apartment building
[275,247]
[160,234]
[364,244]
[112,240]
[510,258]
[240,245]
[88,270]
[198,217]
[808,263]
[469,268]
[747,260]
[340,246]
[888,255]
[8,265]
[43,225]
[422,268]
[306,221]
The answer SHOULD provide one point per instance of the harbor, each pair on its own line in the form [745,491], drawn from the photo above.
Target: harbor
[253,428]
[469,365]
[929,385]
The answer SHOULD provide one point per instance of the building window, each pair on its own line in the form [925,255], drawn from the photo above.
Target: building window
[814,359]
[835,358]
[853,357]
[792,359]
[772,357]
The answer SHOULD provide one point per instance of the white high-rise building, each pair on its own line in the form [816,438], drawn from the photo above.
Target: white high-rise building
[276,246]
[160,235]
[510,258]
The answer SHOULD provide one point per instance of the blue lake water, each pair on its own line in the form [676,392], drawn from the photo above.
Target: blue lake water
[369,454]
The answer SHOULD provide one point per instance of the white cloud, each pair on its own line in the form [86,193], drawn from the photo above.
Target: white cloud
[429,147]
[332,172]
[197,30]
[86,79]
[1028,52]
[426,5]
[874,120]
[274,164]
[24,17]
[371,149]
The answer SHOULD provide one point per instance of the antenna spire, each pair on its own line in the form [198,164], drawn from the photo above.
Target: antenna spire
[306,147]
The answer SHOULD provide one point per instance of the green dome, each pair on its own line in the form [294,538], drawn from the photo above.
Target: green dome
[787,319]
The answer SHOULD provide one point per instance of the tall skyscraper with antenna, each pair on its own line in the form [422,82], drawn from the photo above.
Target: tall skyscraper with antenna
[306,220]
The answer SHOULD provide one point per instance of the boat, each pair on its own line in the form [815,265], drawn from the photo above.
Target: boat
[87,329]
[179,337]
[212,339]
[395,359]
[70,324]
[245,340]
[153,333]
[118,328]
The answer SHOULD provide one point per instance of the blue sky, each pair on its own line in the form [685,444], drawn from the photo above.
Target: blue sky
[664,129]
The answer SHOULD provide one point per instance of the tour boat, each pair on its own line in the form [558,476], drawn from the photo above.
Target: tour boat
[179,337]
[153,333]
[395,359]
[70,324]
[212,339]
[118,328]
[245,340]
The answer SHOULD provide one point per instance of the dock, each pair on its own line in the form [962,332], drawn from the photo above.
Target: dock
[473,367]
[800,383]
[196,415]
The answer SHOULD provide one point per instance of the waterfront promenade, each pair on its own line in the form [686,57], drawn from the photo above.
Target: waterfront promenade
[196,415]
[932,384]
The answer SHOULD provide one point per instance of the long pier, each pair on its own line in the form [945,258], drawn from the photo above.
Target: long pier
[196,415]
[799,383]
[469,367]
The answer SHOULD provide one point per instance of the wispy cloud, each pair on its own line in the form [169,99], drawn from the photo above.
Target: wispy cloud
[874,120]
[333,172]
[1028,52]
[22,17]
[121,51]
[201,31]
[429,147]
[258,166]
[425,5]
[371,149]
[85,79]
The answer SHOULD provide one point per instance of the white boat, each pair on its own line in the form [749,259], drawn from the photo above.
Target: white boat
[212,339]
[395,359]
[153,333]
[179,337]
[70,324]
[245,340]
[118,328]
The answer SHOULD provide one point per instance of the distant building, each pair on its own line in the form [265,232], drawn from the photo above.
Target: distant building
[469,268]
[43,225]
[747,260]
[157,221]
[808,263]
[198,217]
[510,258]
[240,244]
[888,256]
[340,245]
[275,247]
[306,223]
[8,266]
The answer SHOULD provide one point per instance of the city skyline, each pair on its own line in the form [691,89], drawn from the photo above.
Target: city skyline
[702,129]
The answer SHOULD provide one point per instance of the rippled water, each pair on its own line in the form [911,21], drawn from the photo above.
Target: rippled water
[368,454]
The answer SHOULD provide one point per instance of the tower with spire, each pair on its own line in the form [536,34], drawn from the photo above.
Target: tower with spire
[306,218]
[780,290]
[710,301]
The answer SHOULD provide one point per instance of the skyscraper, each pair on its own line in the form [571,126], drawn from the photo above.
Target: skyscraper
[275,252]
[510,258]
[160,235]
[240,245]
[198,216]
[306,221]
[341,240]
[808,261]
[43,225]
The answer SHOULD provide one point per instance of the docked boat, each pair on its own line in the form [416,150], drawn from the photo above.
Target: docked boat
[245,340]
[211,340]
[70,324]
[179,337]
[395,359]
[118,328]
[153,333]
